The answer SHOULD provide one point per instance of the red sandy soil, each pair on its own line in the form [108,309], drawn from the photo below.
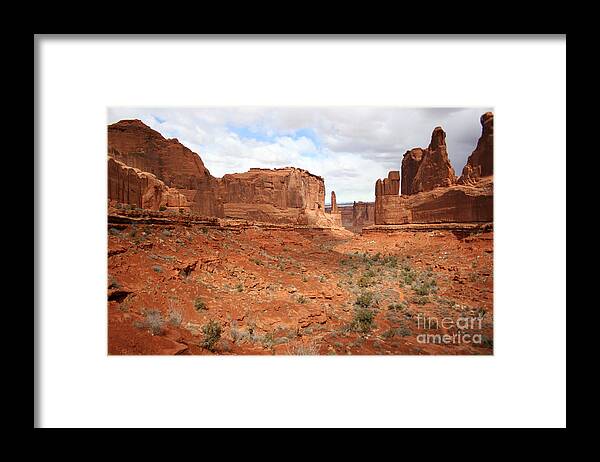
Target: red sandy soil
[293,290]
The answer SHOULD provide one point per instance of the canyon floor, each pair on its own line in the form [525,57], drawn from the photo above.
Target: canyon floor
[176,288]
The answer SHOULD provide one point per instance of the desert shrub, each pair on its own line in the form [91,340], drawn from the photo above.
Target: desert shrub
[364,282]
[322,279]
[391,261]
[389,333]
[398,306]
[403,331]
[154,321]
[114,231]
[212,334]
[424,286]
[420,300]
[157,268]
[235,332]
[199,304]
[166,232]
[239,287]
[364,300]
[301,299]
[362,320]
[162,208]
[268,340]
[256,261]
[303,349]
[304,279]
[114,284]
[175,317]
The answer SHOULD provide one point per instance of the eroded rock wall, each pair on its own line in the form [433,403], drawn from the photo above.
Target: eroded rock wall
[142,161]
[455,204]
[129,185]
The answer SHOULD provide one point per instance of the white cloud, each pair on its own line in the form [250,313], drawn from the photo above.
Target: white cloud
[352,146]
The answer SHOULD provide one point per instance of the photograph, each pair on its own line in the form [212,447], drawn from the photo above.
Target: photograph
[300,231]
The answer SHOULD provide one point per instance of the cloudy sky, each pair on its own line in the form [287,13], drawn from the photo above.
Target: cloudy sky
[350,147]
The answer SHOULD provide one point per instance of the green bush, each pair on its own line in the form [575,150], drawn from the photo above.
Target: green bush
[363,320]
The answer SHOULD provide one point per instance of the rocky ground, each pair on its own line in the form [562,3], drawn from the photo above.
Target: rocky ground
[177,289]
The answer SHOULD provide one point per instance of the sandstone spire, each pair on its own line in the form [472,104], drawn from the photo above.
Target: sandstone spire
[481,161]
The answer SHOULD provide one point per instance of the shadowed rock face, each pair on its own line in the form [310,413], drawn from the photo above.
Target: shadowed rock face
[142,162]
[410,165]
[481,162]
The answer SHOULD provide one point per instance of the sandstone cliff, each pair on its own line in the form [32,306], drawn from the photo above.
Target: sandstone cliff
[149,171]
[454,204]
[481,161]
[137,145]
[129,185]
[284,195]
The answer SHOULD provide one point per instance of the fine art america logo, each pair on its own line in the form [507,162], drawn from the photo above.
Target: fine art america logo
[459,330]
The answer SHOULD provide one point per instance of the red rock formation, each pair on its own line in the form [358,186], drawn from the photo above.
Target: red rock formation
[435,169]
[430,193]
[282,187]
[410,165]
[334,207]
[137,145]
[426,169]
[286,195]
[481,161]
[128,185]
[454,204]
[389,185]
[356,216]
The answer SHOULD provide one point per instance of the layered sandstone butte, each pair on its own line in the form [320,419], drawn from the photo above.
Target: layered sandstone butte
[283,195]
[137,145]
[149,171]
[426,169]
[481,162]
[454,204]
[430,191]
[129,185]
